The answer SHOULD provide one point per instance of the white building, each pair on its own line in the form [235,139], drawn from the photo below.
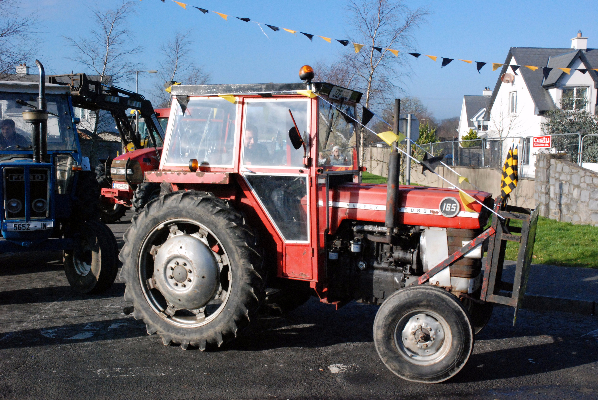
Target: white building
[532,82]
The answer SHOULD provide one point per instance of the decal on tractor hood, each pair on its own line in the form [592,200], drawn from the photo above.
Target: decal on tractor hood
[407,210]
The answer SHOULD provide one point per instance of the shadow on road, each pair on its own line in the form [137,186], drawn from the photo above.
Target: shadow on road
[53,294]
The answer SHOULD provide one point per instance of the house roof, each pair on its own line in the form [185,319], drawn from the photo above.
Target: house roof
[473,105]
[541,57]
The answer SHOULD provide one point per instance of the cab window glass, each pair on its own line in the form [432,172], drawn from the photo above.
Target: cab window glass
[336,134]
[266,132]
[203,130]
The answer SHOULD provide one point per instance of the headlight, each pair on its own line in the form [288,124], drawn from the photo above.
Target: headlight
[13,206]
[126,171]
[39,205]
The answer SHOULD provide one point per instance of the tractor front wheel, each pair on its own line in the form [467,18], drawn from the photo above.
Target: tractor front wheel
[423,334]
[192,270]
[91,267]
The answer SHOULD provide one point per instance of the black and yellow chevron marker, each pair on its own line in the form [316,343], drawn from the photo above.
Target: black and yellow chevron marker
[509,173]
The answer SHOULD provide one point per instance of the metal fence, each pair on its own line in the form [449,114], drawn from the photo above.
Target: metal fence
[480,153]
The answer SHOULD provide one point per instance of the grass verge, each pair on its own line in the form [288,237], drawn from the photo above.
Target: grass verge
[563,244]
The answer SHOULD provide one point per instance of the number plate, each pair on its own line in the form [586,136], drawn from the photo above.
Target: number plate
[29,226]
[120,186]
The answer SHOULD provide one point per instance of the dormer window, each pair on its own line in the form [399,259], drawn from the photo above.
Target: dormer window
[574,98]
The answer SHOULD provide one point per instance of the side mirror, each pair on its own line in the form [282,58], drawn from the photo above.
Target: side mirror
[295,138]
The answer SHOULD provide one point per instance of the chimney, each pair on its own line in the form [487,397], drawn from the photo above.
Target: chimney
[487,92]
[579,43]
[21,69]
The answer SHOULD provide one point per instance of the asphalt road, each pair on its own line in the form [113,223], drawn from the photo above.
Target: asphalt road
[55,344]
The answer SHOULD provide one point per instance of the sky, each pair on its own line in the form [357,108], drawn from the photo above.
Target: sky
[233,51]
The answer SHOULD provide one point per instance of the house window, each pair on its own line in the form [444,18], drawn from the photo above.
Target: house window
[513,102]
[482,126]
[525,151]
[81,113]
[574,98]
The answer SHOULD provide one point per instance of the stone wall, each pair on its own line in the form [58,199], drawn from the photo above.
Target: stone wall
[486,179]
[566,192]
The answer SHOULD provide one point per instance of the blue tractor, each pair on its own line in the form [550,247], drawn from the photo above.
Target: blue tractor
[49,195]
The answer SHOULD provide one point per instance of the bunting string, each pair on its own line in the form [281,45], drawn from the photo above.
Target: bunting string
[445,61]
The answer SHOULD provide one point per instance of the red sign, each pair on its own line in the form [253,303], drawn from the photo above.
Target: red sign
[542,141]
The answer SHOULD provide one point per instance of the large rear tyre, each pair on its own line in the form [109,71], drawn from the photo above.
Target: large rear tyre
[480,313]
[192,270]
[91,267]
[145,192]
[423,334]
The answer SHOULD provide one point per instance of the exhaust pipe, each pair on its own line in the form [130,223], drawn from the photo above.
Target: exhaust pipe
[39,120]
[392,186]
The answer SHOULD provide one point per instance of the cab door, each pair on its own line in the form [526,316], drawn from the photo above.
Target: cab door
[278,179]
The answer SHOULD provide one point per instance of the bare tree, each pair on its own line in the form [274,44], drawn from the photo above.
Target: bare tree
[176,65]
[16,37]
[381,25]
[106,50]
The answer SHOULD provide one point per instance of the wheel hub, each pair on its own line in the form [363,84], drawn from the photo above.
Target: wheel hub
[422,336]
[186,272]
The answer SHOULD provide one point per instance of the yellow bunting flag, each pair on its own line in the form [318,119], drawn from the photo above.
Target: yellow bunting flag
[389,137]
[326,39]
[357,47]
[290,30]
[222,15]
[496,66]
[463,179]
[228,97]
[467,61]
[181,4]
[395,52]
[432,57]
[531,67]
[566,70]
[307,93]
[467,200]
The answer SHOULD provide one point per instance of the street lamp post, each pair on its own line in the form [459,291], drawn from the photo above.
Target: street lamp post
[137,91]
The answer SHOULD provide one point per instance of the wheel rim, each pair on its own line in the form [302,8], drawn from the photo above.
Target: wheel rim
[110,209]
[158,274]
[423,337]
[82,260]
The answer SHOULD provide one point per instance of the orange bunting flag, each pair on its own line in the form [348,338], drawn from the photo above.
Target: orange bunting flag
[467,200]
[467,61]
[326,39]
[432,57]
[357,47]
[531,67]
[222,15]
[181,4]
[290,30]
[566,70]
[395,52]
[496,66]
[228,97]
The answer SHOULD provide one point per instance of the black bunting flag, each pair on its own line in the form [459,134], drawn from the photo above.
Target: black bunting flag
[514,68]
[546,72]
[366,116]
[309,35]
[203,10]
[379,49]
[416,55]
[343,42]
[244,19]
[479,65]
[446,61]
[430,163]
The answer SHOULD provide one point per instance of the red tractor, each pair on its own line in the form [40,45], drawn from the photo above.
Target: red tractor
[120,190]
[262,203]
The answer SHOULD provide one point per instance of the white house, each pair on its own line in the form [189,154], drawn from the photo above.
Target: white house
[533,81]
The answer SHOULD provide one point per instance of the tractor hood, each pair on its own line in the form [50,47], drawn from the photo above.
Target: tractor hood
[418,206]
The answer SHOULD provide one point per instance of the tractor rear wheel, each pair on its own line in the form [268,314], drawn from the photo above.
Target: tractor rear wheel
[91,267]
[192,270]
[423,334]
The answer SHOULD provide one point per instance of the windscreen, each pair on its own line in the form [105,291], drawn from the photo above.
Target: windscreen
[16,133]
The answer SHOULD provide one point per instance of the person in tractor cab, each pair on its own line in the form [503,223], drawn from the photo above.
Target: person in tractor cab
[9,137]
[336,157]
[255,153]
